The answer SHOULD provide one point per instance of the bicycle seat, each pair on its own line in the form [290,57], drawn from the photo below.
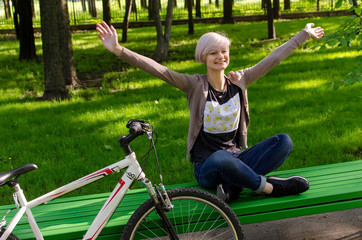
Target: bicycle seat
[4,176]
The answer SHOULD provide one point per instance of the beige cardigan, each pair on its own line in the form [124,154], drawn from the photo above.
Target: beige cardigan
[196,86]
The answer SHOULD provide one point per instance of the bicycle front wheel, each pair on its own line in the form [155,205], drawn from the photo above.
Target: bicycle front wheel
[197,214]
[11,236]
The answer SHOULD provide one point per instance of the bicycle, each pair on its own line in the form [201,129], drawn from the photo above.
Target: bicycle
[207,217]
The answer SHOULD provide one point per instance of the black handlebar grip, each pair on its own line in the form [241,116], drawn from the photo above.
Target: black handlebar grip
[135,127]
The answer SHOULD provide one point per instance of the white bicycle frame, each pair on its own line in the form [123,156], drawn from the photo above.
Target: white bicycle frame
[133,171]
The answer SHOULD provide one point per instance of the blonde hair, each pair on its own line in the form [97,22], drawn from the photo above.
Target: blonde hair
[210,42]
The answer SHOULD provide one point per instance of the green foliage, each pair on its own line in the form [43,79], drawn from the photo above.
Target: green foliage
[348,33]
[353,77]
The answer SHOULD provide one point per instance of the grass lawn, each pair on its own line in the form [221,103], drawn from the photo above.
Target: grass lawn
[72,138]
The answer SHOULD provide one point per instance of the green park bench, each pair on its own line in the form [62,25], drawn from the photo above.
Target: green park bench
[333,187]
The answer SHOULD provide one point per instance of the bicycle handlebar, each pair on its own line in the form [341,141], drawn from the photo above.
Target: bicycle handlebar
[136,128]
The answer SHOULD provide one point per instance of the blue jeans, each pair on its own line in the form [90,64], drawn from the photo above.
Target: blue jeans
[245,168]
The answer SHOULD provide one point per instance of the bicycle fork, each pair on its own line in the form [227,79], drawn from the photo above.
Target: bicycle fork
[162,204]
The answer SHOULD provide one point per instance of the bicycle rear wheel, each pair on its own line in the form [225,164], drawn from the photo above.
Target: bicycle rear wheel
[196,215]
[11,236]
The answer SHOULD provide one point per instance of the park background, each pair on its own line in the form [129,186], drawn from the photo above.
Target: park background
[91,11]
[71,138]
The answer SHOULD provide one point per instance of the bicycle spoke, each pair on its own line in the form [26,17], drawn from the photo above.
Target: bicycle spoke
[196,215]
[150,230]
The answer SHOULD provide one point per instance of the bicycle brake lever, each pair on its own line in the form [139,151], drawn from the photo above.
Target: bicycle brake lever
[149,134]
[3,221]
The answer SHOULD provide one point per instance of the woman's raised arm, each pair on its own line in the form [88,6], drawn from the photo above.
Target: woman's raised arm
[108,36]
[255,72]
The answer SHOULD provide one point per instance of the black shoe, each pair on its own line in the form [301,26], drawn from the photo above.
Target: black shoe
[227,193]
[288,186]
[220,193]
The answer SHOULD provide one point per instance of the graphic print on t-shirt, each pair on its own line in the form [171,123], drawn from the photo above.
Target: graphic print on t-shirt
[222,118]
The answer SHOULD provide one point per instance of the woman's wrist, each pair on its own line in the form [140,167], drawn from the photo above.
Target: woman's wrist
[118,50]
[308,31]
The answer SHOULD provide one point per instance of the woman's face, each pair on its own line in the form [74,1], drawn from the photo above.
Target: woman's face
[217,59]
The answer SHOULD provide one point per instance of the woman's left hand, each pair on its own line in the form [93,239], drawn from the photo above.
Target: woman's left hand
[316,32]
[108,36]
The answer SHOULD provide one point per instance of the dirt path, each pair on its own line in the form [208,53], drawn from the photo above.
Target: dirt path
[341,225]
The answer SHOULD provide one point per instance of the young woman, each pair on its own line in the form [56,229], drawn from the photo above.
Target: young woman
[219,116]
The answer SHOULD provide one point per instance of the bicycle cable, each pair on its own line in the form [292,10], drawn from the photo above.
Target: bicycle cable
[147,155]
[158,162]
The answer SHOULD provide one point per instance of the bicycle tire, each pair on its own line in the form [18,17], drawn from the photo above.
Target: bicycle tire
[207,217]
[11,236]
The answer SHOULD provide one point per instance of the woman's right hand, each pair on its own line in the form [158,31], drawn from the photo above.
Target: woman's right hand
[108,36]
[316,32]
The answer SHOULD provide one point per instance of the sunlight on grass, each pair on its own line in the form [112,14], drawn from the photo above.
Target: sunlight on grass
[85,42]
[311,83]
[308,122]
[323,55]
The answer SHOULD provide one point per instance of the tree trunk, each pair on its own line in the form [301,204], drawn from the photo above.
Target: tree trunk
[7,9]
[119,4]
[26,31]
[150,10]
[33,9]
[84,6]
[228,12]
[168,24]
[276,9]
[318,5]
[134,8]
[92,8]
[126,20]
[144,4]
[190,19]
[16,20]
[187,2]
[106,12]
[198,8]
[163,40]
[160,37]
[57,49]
[271,28]
[66,45]
[287,4]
